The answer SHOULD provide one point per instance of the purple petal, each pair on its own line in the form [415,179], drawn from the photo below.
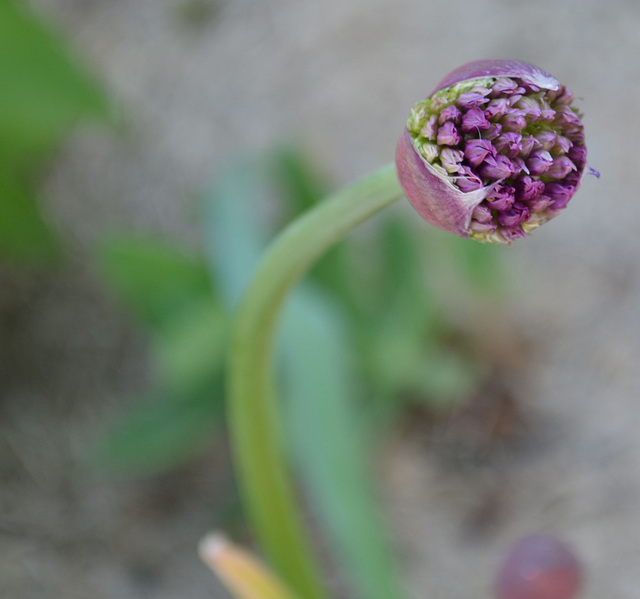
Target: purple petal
[593,171]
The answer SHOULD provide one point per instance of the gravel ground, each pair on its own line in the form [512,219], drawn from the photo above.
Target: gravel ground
[195,92]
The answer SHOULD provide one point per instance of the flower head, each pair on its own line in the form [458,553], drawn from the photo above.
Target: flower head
[495,151]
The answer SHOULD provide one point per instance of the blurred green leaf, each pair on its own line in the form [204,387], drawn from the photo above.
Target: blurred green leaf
[479,265]
[406,317]
[236,228]
[154,278]
[329,441]
[443,376]
[162,431]
[44,91]
[299,182]
[169,290]
[192,346]
[23,232]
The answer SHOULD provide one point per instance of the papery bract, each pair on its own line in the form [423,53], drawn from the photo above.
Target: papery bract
[493,132]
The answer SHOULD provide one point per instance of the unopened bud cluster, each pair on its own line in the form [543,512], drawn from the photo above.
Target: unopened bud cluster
[524,143]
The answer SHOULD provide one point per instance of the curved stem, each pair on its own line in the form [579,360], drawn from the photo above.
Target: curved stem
[264,478]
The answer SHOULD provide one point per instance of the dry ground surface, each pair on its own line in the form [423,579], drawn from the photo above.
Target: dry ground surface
[198,82]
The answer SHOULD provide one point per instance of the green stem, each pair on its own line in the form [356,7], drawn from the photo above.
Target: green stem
[263,473]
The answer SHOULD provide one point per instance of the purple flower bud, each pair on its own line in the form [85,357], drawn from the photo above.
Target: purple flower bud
[515,215]
[559,194]
[430,128]
[567,118]
[529,106]
[578,155]
[529,143]
[513,233]
[563,97]
[450,113]
[509,144]
[492,132]
[496,108]
[430,151]
[501,197]
[519,166]
[561,167]
[478,227]
[513,121]
[451,159]
[494,151]
[539,567]
[540,203]
[474,120]
[539,162]
[546,139]
[473,99]
[448,135]
[563,145]
[467,180]
[528,188]
[504,86]
[477,150]
[482,214]
[498,167]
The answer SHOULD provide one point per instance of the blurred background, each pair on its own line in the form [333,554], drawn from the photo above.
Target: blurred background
[148,152]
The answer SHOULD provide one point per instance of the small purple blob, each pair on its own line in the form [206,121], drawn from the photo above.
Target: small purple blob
[539,567]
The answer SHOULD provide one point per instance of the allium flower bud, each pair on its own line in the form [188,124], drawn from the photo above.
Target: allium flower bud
[496,150]
[539,567]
